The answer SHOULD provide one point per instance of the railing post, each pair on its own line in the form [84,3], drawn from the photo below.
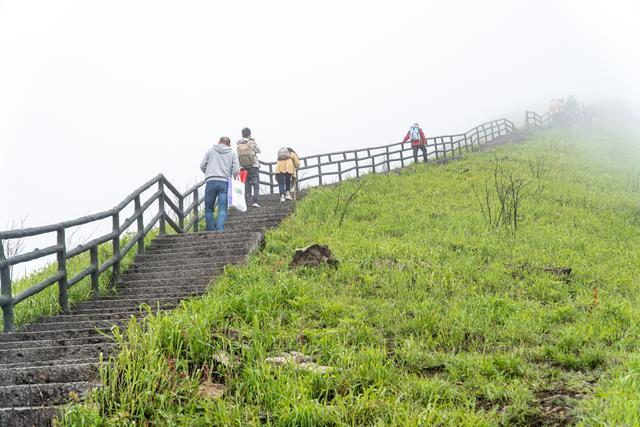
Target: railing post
[196,203]
[63,298]
[388,162]
[95,275]
[140,222]
[163,227]
[5,284]
[116,246]
[181,208]
[271,189]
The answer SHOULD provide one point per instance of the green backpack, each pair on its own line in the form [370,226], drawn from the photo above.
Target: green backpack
[246,156]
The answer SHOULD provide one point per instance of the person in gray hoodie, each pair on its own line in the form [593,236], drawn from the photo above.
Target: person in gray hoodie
[219,163]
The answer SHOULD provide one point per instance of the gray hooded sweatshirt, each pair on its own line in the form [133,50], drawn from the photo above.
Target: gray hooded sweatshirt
[219,163]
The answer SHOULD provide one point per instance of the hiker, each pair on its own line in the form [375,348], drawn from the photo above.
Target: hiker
[288,162]
[218,164]
[248,157]
[418,141]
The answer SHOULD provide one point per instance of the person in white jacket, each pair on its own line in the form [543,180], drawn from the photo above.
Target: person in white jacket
[219,163]
[248,152]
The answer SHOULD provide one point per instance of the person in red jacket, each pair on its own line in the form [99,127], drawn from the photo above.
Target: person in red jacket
[418,141]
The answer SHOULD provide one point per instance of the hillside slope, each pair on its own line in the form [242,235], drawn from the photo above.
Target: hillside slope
[434,315]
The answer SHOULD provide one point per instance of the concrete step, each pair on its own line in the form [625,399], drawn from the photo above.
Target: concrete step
[196,245]
[72,317]
[41,394]
[167,274]
[209,235]
[23,336]
[49,374]
[28,416]
[164,291]
[114,303]
[52,343]
[47,364]
[169,261]
[69,327]
[122,309]
[211,266]
[36,354]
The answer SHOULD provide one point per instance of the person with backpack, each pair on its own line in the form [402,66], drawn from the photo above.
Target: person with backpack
[418,141]
[286,166]
[248,157]
[218,164]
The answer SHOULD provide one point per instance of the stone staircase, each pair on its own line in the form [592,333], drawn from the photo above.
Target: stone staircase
[44,363]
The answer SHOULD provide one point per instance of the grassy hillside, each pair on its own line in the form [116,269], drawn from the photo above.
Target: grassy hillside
[436,314]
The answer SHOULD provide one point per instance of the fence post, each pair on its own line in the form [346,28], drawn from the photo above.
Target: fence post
[402,154]
[357,166]
[319,172]
[163,226]
[388,162]
[63,298]
[95,275]
[140,221]
[271,178]
[339,171]
[196,203]
[444,147]
[181,208]
[116,246]
[5,283]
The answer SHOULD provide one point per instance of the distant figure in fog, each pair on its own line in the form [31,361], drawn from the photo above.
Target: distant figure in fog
[219,163]
[418,141]
[248,156]
[288,162]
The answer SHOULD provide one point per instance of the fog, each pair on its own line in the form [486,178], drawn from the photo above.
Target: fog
[97,97]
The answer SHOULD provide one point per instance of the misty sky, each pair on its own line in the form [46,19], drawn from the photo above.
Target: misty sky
[96,97]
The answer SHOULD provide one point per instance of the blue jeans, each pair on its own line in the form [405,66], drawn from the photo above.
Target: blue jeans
[215,190]
[284,182]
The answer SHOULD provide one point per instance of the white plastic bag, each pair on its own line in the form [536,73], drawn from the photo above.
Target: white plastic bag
[236,195]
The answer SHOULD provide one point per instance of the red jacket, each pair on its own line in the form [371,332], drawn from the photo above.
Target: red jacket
[423,139]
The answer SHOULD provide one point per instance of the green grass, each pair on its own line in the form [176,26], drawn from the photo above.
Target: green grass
[432,317]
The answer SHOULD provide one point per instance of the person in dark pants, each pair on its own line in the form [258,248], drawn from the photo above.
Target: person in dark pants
[288,163]
[218,164]
[418,141]
[248,156]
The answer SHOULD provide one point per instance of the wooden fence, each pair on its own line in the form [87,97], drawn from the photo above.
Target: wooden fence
[180,211]
[335,167]
[172,207]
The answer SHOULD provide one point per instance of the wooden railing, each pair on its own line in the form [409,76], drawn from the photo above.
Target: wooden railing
[181,210]
[534,121]
[171,210]
[335,167]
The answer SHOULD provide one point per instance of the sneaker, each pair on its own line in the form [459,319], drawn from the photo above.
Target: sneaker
[282,198]
[288,196]
[256,205]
